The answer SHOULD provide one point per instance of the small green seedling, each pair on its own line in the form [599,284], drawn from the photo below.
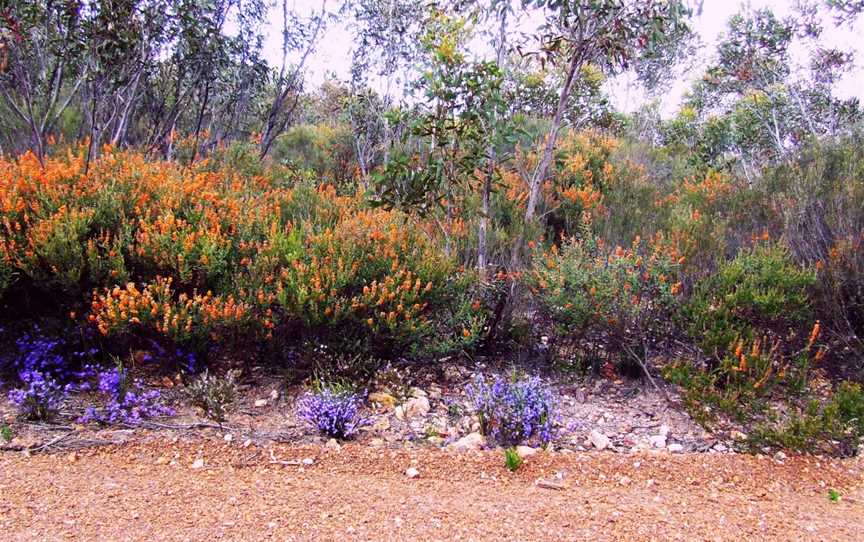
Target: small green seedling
[6,432]
[834,495]
[512,459]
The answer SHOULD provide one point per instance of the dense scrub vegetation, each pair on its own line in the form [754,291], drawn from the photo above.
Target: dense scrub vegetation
[709,248]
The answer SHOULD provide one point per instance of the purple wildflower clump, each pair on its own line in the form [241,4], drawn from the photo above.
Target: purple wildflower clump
[334,413]
[514,411]
[128,402]
[40,397]
[53,357]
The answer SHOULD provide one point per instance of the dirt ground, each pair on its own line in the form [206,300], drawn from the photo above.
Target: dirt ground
[200,489]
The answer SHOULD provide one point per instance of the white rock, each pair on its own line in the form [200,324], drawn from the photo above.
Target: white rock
[664,430]
[247,443]
[274,395]
[525,451]
[412,472]
[417,392]
[228,437]
[780,456]
[198,464]
[471,441]
[675,448]
[308,461]
[657,441]
[260,402]
[599,440]
[415,407]
[333,444]
[400,413]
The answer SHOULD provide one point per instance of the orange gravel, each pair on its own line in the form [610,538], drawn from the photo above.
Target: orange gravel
[150,491]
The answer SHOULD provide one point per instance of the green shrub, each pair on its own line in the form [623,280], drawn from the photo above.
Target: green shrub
[620,298]
[817,426]
[761,290]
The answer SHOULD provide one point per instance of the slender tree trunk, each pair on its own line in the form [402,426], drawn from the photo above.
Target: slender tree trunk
[491,157]
[539,174]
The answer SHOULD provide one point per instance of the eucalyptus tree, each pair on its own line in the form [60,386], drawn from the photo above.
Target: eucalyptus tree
[452,132]
[387,43]
[300,35]
[767,99]
[43,45]
[612,35]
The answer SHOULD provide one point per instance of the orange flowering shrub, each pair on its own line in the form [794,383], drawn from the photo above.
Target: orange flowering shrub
[622,298]
[183,318]
[146,237]
[749,370]
[761,291]
[374,275]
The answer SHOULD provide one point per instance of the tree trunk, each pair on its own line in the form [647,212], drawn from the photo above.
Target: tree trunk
[548,153]
[491,157]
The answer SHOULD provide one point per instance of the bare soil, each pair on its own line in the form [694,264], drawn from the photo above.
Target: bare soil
[207,488]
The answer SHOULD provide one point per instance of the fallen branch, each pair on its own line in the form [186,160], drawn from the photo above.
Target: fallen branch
[647,373]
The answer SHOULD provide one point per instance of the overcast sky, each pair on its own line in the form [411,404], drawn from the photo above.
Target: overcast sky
[333,55]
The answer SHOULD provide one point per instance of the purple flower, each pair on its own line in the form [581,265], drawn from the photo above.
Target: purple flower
[127,401]
[41,396]
[514,411]
[333,413]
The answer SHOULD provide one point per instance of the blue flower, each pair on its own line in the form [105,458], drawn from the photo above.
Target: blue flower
[335,414]
[40,397]
[514,412]
[127,401]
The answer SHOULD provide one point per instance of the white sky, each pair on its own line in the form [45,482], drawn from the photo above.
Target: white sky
[333,56]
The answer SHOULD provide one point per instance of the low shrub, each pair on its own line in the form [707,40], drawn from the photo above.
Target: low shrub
[837,423]
[760,291]
[333,411]
[213,394]
[620,299]
[514,411]
[749,373]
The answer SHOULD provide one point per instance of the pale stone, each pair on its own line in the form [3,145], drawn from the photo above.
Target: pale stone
[471,441]
[599,440]
[525,451]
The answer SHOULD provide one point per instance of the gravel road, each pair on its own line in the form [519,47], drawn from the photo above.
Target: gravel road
[212,489]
